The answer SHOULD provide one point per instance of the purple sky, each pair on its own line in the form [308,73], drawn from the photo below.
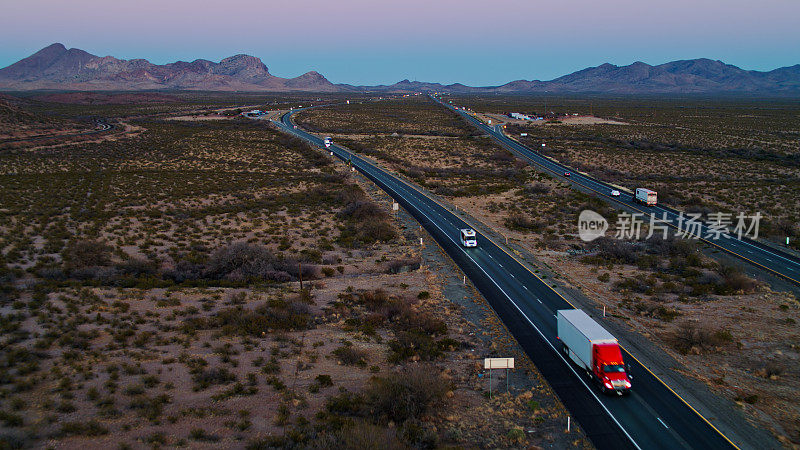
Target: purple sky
[371,42]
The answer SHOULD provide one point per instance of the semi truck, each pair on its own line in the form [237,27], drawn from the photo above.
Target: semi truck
[468,238]
[645,197]
[593,349]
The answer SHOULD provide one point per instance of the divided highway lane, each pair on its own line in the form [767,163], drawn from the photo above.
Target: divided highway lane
[651,417]
[102,126]
[772,260]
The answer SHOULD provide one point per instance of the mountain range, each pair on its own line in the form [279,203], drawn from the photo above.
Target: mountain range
[57,68]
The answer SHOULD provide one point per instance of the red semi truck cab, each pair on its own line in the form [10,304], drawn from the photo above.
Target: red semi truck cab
[594,349]
[609,368]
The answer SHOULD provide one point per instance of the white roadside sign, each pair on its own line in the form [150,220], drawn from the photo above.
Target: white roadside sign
[498,363]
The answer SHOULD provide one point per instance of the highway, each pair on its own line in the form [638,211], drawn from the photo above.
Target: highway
[652,416]
[102,126]
[770,259]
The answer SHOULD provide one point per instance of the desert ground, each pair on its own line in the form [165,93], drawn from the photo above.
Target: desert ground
[731,329]
[207,283]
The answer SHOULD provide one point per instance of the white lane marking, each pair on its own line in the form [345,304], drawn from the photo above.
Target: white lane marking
[588,388]
[547,165]
[414,193]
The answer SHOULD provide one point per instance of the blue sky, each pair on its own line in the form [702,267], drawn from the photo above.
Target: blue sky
[373,42]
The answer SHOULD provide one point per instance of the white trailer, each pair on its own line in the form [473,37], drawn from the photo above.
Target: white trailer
[579,333]
[594,349]
[646,197]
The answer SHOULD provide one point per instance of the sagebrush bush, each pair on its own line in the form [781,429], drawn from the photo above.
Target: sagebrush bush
[690,336]
[351,356]
[407,394]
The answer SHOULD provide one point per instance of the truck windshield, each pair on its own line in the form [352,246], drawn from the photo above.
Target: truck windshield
[609,368]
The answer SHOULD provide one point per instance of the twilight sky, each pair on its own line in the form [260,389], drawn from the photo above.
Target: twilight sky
[379,42]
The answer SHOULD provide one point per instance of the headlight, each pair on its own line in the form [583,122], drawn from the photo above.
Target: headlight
[608,384]
[627,384]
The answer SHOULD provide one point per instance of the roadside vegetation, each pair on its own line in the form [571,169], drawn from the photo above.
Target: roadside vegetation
[695,303]
[416,115]
[728,155]
[217,283]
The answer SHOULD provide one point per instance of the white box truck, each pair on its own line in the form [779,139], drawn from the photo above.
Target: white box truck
[645,197]
[328,141]
[594,349]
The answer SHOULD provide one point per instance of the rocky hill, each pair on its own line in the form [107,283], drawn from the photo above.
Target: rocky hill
[56,67]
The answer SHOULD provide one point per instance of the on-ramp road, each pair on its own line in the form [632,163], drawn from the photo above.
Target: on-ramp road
[652,416]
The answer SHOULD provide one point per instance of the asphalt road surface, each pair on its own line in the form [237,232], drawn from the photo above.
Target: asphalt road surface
[770,259]
[102,126]
[652,416]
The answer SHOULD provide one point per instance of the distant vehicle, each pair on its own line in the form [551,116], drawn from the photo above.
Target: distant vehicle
[328,141]
[645,197]
[615,193]
[594,349]
[468,238]
[566,174]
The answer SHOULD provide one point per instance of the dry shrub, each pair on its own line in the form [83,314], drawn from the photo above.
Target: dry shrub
[351,356]
[518,221]
[690,337]
[537,188]
[771,370]
[374,299]
[407,394]
[137,267]
[86,254]
[402,264]
[243,261]
[275,315]
[734,281]
[360,435]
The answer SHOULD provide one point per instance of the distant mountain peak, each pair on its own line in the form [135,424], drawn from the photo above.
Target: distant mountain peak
[56,67]
[57,46]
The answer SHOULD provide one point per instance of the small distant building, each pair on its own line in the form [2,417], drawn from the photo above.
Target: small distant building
[519,116]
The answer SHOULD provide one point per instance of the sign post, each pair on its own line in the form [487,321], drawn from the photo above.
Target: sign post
[497,363]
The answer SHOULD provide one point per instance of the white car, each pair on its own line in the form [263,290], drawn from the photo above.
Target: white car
[615,193]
